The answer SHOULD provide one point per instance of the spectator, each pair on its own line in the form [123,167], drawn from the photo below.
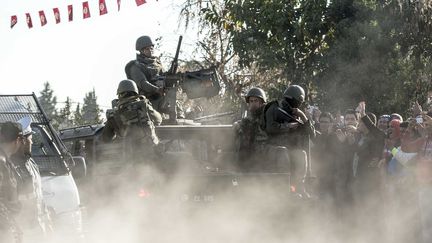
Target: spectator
[367,182]
[383,122]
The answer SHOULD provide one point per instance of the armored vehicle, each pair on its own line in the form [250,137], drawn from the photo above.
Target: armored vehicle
[203,156]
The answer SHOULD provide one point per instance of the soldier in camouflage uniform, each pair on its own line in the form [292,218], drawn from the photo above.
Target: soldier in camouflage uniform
[10,141]
[288,126]
[34,216]
[254,152]
[133,119]
[146,71]
[249,135]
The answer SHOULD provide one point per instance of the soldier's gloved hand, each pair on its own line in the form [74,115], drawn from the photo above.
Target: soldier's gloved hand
[300,114]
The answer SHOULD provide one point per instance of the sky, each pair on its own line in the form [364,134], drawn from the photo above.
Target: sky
[75,57]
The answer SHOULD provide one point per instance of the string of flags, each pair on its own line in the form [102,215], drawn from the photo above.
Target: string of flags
[70,13]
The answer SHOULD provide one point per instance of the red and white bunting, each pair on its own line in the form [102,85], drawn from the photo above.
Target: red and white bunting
[140,2]
[56,12]
[102,7]
[70,12]
[86,10]
[42,17]
[29,20]
[14,21]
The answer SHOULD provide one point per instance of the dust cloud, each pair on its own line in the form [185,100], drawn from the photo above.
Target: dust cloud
[149,206]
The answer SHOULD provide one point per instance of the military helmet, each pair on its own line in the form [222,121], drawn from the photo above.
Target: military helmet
[142,42]
[127,85]
[295,92]
[256,92]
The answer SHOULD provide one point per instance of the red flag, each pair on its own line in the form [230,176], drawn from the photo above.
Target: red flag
[56,15]
[70,12]
[86,10]
[42,18]
[118,5]
[102,7]
[29,21]
[14,20]
[140,2]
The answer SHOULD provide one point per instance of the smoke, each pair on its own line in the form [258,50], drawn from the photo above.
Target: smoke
[188,207]
[142,203]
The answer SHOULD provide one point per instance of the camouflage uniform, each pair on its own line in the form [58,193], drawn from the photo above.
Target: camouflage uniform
[34,212]
[254,152]
[250,139]
[9,204]
[286,129]
[134,119]
[145,72]
[149,75]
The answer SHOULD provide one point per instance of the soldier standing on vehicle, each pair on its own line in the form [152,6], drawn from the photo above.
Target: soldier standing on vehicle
[10,142]
[249,135]
[145,70]
[34,214]
[132,118]
[288,126]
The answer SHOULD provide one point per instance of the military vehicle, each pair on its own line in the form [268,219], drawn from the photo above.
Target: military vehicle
[57,166]
[204,156]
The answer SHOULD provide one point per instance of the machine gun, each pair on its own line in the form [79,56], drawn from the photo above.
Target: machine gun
[196,84]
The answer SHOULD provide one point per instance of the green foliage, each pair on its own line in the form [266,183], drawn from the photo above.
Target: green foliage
[90,110]
[89,113]
[48,101]
[78,118]
[341,51]
[65,117]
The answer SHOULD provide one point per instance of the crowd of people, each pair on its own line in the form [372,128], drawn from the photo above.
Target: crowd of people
[373,174]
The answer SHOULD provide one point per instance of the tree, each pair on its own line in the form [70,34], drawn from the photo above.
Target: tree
[78,118]
[48,101]
[340,51]
[65,117]
[90,110]
[370,58]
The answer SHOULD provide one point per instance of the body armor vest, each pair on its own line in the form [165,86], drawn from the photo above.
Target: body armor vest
[132,119]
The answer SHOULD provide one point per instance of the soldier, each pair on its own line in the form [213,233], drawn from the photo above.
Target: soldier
[145,71]
[252,140]
[132,118]
[34,214]
[249,134]
[286,125]
[10,141]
